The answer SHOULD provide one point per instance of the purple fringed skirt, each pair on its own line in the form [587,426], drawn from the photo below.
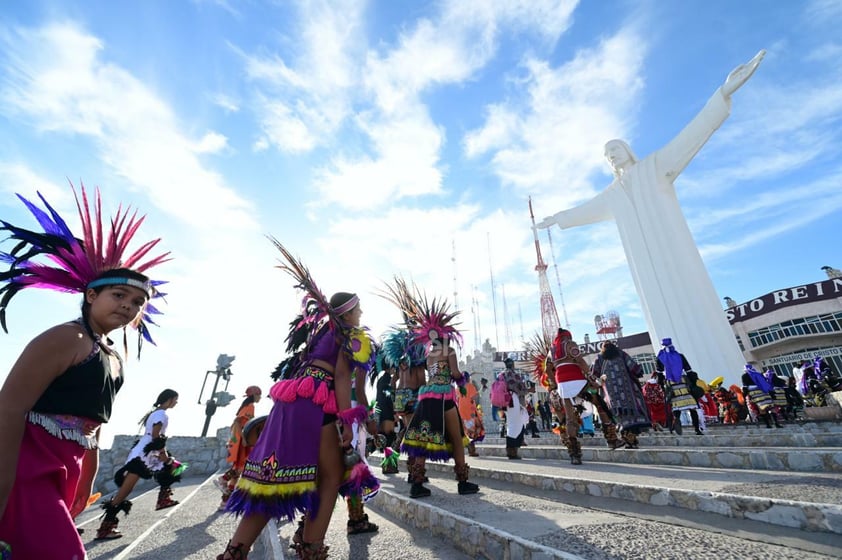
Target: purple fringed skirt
[279,477]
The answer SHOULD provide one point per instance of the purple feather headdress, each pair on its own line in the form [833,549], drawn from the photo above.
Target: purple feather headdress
[77,264]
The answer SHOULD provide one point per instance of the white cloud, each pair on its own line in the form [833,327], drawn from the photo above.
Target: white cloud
[451,47]
[285,129]
[408,147]
[226,102]
[211,143]
[19,178]
[823,12]
[303,99]
[548,141]
[767,215]
[56,78]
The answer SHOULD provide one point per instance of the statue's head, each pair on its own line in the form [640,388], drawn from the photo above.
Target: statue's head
[619,155]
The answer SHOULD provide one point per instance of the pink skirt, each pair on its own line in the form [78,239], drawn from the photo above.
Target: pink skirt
[48,471]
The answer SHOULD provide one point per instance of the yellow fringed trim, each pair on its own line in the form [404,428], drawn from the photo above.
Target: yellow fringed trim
[432,447]
[268,489]
[437,448]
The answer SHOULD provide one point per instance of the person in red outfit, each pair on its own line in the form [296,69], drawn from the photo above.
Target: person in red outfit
[656,402]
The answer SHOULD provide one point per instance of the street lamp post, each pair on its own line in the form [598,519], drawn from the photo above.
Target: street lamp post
[220,398]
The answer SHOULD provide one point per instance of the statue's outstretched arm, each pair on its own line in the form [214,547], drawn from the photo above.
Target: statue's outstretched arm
[741,74]
[674,157]
[590,212]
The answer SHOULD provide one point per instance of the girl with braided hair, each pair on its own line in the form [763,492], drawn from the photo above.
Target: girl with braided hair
[147,458]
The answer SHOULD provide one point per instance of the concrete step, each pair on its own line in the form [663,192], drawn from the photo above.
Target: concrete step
[509,519]
[810,427]
[802,459]
[814,426]
[778,438]
[787,499]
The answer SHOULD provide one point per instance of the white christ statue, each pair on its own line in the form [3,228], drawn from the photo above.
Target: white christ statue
[676,293]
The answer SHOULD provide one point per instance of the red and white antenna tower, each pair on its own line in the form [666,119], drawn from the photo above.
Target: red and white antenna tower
[549,315]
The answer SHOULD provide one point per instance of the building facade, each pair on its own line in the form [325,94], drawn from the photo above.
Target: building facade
[778,330]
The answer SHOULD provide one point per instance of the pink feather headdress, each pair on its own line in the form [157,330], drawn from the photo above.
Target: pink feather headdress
[425,319]
[77,264]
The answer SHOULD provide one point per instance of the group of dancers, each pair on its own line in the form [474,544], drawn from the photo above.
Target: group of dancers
[312,445]
[626,405]
[309,449]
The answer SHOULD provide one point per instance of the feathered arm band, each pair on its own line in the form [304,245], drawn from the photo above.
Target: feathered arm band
[354,414]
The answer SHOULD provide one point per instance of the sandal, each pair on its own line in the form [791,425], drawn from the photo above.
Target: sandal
[311,551]
[361,526]
[239,552]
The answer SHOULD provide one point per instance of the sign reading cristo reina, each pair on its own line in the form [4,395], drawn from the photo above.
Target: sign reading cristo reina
[806,293]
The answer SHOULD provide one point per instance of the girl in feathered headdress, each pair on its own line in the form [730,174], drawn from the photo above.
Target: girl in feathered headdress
[62,387]
[436,431]
[297,463]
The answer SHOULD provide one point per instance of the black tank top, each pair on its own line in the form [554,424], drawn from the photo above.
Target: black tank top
[86,389]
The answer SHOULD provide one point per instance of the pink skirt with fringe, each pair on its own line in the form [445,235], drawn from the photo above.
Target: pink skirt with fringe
[48,472]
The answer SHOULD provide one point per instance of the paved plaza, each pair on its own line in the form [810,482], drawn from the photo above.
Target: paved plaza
[736,492]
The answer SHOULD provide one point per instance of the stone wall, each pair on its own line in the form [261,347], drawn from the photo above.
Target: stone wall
[205,455]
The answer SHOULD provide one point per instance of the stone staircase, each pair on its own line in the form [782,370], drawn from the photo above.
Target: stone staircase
[736,492]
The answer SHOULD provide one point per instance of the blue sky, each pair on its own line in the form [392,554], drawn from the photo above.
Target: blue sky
[375,138]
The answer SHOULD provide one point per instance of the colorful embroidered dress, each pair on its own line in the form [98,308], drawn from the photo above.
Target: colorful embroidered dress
[279,477]
[425,436]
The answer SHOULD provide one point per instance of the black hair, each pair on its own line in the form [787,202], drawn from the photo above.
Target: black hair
[86,306]
[113,273]
[165,395]
[609,350]
[301,332]
[340,298]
